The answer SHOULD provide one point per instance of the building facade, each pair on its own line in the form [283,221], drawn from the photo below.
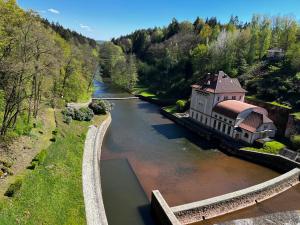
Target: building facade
[218,102]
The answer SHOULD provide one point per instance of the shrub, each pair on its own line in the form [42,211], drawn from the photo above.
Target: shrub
[13,188]
[38,159]
[100,107]
[69,112]
[181,105]
[67,119]
[83,114]
[53,139]
[273,146]
[296,141]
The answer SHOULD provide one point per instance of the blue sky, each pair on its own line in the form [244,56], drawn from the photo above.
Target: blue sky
[104,19]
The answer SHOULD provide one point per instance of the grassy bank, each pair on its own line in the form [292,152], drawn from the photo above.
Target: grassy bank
[52,193]
[272,147]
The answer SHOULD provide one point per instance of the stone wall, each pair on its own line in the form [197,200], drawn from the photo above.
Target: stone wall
[293,126]
[278,114]
[217,206]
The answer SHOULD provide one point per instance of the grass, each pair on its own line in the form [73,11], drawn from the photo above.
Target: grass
[297,115]
[280,105]
[52,193]
[171,109]
[272,147]
[139,90]
[254,98]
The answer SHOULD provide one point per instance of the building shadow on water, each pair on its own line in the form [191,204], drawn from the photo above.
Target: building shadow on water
[147,107]
[174,131]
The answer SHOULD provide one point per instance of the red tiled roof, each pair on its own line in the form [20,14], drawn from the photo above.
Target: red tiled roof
[232,108]
[220,83]
[253,121]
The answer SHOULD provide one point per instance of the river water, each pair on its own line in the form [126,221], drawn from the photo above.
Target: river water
[144,151]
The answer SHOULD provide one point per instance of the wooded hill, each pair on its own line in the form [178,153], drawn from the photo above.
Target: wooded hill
[170,59]
[39,62]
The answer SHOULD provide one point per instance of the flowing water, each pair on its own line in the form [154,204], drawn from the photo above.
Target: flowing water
[167,157]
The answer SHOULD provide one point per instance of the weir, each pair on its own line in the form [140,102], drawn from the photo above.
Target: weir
[220,205]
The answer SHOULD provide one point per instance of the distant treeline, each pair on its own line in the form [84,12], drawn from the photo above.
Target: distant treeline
[170,59]
[39,62]
[69,35]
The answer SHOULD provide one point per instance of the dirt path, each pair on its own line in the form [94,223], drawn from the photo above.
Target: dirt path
[25,148]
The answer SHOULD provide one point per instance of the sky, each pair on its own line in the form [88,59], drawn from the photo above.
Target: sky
[105,19]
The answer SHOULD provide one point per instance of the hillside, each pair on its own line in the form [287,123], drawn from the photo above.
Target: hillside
[170,59]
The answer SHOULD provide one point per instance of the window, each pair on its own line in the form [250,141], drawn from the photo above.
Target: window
[265,127]
[219,125]
[196,116]
[200,118]
[218,99]
[226,97]
[229,130]
[234,97]
[224,128]
[225,120]
[205,120]
[246,135]
[215,124]
[220,117]
[192,114]
[240,97]
[230,121]
[216,116]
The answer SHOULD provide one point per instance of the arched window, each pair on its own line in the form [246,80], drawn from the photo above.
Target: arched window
[246,135]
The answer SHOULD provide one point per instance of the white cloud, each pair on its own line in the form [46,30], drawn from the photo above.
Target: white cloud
[55,11]
[85,27]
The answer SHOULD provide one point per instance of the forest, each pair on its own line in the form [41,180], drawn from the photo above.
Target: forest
[168,60]
[39,62]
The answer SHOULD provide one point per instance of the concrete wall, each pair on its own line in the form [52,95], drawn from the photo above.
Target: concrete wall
[209,208]
[162,211]
[91,179]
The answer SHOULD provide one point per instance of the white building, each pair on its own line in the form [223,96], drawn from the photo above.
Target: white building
[218,102]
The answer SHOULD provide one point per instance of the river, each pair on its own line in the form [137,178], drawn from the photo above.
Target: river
[144,151]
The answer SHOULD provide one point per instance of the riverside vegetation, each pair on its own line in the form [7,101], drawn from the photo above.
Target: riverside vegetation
[169,59]
[43,66]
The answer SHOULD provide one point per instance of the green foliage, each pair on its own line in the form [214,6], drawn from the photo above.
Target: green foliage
[171,109]
[180,56]
[100,107]
[14,188]
[296,141]
[49,193]
[272,147]
[82,114]
[38,159]
[58,66]
[181,105]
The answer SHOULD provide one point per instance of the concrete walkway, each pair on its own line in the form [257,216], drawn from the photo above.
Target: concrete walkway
[91,180]
[114,98]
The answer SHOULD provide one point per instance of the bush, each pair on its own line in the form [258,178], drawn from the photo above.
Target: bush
[67,119]
[181,105]
[100,107]
[83,114]
[38,159]
[296,141]
[13,188]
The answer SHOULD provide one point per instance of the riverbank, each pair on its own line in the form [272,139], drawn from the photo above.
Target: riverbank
[52,192]
[276,162]
[17,154]
[91,177]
